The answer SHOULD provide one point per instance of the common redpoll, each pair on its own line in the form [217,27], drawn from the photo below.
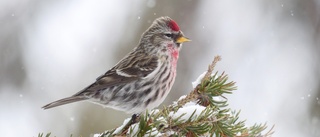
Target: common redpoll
[143,78]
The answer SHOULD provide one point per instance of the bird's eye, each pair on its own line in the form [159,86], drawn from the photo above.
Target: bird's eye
[169,35]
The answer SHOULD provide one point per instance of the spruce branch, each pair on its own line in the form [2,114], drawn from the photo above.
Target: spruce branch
[42,135]
[203,112]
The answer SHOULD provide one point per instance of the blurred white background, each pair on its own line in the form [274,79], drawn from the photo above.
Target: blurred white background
[52,49]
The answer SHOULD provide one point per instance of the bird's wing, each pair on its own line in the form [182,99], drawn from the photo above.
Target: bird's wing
[127,70]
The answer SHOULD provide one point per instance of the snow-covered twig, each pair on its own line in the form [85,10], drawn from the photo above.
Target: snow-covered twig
[203,112]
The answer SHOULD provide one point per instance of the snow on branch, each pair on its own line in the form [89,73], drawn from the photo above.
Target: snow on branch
[203,112]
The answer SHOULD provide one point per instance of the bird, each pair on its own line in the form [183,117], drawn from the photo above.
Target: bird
[143,78]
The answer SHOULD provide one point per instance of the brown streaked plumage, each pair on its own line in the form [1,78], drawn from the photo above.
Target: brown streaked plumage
[143,78]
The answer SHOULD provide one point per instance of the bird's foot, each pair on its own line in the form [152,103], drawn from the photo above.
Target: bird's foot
[134,119]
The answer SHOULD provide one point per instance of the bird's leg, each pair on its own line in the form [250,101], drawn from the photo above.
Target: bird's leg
[134,119]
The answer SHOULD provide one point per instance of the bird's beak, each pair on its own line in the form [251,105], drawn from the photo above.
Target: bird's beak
[182,39]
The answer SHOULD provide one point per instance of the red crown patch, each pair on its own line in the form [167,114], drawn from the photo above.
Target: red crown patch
[173,25]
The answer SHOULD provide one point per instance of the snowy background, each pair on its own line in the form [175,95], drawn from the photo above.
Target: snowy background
[52,49]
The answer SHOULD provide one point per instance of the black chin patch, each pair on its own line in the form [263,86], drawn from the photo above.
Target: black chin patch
[178,45]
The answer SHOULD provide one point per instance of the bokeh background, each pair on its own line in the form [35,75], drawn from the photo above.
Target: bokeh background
[52,49]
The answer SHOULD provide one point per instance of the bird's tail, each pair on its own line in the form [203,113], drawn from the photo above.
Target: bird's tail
[64,101]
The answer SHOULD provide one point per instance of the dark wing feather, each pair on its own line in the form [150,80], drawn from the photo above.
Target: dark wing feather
[131,68]
[124,72]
